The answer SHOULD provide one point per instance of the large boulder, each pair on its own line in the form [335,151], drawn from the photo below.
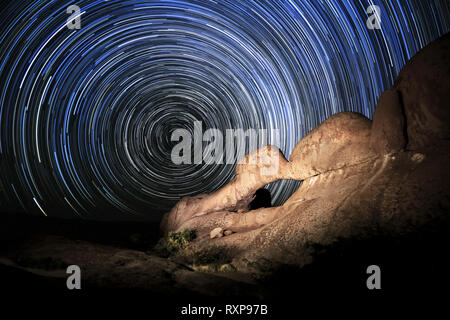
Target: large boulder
[388,133]
[424,91]
[360,177]
[340,141]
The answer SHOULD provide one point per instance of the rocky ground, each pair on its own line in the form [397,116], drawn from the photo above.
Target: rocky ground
[121,267]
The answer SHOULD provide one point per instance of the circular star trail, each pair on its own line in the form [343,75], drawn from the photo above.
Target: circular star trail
[87,115]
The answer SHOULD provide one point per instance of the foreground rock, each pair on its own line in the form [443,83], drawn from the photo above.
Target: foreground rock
[360,177]
[110,267]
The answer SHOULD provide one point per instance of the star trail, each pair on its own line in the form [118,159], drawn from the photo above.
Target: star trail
[87,115]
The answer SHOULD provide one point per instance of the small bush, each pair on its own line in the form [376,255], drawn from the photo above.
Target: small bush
[179,240]
[175,242]
[178,247]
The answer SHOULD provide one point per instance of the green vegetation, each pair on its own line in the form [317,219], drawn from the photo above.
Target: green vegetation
[175,242]
[179,247]
[180,240]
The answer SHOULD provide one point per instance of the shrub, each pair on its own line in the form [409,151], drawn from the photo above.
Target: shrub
[175,242]
[178,247]
[179,240]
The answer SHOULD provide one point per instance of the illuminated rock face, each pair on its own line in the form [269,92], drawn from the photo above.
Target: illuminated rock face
[389,174]
[255,170]
[339,141]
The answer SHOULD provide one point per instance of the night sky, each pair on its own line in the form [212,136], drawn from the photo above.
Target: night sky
[86,115]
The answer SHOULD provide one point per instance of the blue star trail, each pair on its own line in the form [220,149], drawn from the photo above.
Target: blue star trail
[86,115]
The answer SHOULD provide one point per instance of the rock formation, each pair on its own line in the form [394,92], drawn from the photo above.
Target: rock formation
[254,171]
[359,176]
